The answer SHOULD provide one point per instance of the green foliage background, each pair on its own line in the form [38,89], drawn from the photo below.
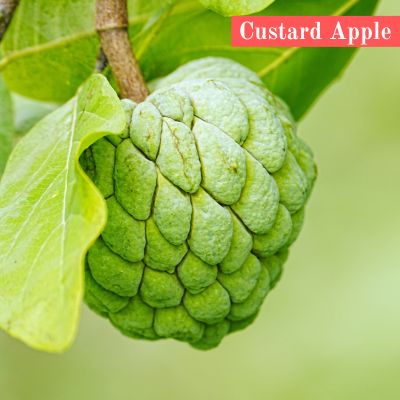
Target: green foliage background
[329,331]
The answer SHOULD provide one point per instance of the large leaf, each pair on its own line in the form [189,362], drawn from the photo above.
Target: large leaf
[298,75]
[51,46]
[236,7]
[50,214]
[6,125]
[51,65]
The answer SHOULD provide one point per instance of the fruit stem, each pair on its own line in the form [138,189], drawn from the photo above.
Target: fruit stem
[7,8]
[112,28]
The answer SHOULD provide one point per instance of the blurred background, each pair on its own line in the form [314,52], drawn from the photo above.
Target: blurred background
[331,328]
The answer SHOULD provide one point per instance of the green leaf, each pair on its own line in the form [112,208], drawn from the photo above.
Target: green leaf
[51,46]
[50,66]
[6,125]
[50,214]
[236,7]
[28,113]
[298,75]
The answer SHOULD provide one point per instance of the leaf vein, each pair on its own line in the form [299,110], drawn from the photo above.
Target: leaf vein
[292,50]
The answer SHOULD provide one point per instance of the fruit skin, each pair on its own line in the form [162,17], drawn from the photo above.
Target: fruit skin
[205,192]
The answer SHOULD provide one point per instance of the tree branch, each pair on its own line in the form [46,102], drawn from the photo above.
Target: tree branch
[112,27]
[7,8]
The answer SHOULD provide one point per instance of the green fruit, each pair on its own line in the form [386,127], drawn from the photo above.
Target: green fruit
[205,193]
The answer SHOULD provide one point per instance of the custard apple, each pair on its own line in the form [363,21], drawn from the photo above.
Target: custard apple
[205,192]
